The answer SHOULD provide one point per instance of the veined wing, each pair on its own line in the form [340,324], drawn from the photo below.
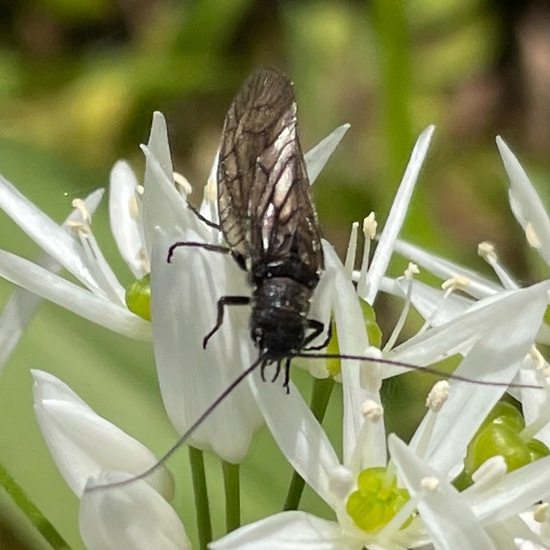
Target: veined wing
[266,213]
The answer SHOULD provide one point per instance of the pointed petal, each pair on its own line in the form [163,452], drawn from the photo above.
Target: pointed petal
[20,307]
[123,207]
[184,297]
[525,202]
[50,236]
[299,436]
[82,443]
[496,357]
[133,516]
[287,531]
[72,297]
[317,157]
[449,520]
[352,339]
[396,216]
[513,494]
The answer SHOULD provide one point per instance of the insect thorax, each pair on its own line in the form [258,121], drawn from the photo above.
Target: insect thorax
[280,306]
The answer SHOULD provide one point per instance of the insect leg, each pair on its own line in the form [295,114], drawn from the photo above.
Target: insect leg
[202,218]
[206,246]
[222,302]
[317,327]
[287,376]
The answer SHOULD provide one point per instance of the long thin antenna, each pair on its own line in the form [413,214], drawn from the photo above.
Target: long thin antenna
[428,370]
[211,408]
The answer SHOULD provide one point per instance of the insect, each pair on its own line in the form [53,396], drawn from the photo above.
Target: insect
[268,219]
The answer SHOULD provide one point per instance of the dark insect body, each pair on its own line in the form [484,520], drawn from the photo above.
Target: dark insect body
[267,217]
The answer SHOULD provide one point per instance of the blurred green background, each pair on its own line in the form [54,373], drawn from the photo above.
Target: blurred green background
[80,79]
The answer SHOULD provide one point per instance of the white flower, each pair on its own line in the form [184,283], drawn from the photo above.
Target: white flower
[448,519]
[89,451]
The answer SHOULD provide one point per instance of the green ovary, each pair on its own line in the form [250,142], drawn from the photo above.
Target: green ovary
[138,297]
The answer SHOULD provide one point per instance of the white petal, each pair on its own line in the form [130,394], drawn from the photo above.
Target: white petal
[525,202]
[460,334]
[352,339]
[21,304]
[82,443]
[131,517]
[159,145]
[450,522]
[317,157]
[396,216]
[287,531]
[299,436]
[479,286]
[184,297]
[514,493]
[72,297]
[514,534]
[50,236]
[123,217]
[497,357]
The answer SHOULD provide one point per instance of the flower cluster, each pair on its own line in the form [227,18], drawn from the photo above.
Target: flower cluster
[454,485]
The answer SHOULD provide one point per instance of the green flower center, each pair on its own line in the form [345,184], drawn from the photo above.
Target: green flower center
[500,434]
[138,297]
[376,500]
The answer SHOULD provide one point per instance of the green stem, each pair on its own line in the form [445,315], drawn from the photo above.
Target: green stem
[20,498]
[390,21]
[204,523]
[231,481]
[320,396]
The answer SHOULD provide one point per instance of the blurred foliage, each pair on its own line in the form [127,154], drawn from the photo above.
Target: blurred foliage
[79,80]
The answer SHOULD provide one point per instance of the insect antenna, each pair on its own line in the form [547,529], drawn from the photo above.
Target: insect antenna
[427,370]
[211,408]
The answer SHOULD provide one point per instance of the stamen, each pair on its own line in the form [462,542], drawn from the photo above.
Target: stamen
[140,189]
[532,237]
[458,282]
[181,181]
[81,207]
[211,190]
[430,484]
[133,207]
[352,249]
[491,471]
[372,411]
[438,396]
[540,512]
[488,252]
[412,269]
[144,260]
[79,227]
[369,232]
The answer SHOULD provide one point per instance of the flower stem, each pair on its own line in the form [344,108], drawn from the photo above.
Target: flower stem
[20,498]
[204,523]
[231,479]
[320,395]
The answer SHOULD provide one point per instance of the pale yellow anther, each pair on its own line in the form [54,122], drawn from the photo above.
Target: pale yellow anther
[211,191]
[540,511]
[430,483]
[438,395]
[487,251]
[370,226]
[140,189]
[144,260]
[411,271]
[372,410]
[81,207]
[531,236]
[81,227]
[181,181]
[536,356]
[458,282]
[133,207]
